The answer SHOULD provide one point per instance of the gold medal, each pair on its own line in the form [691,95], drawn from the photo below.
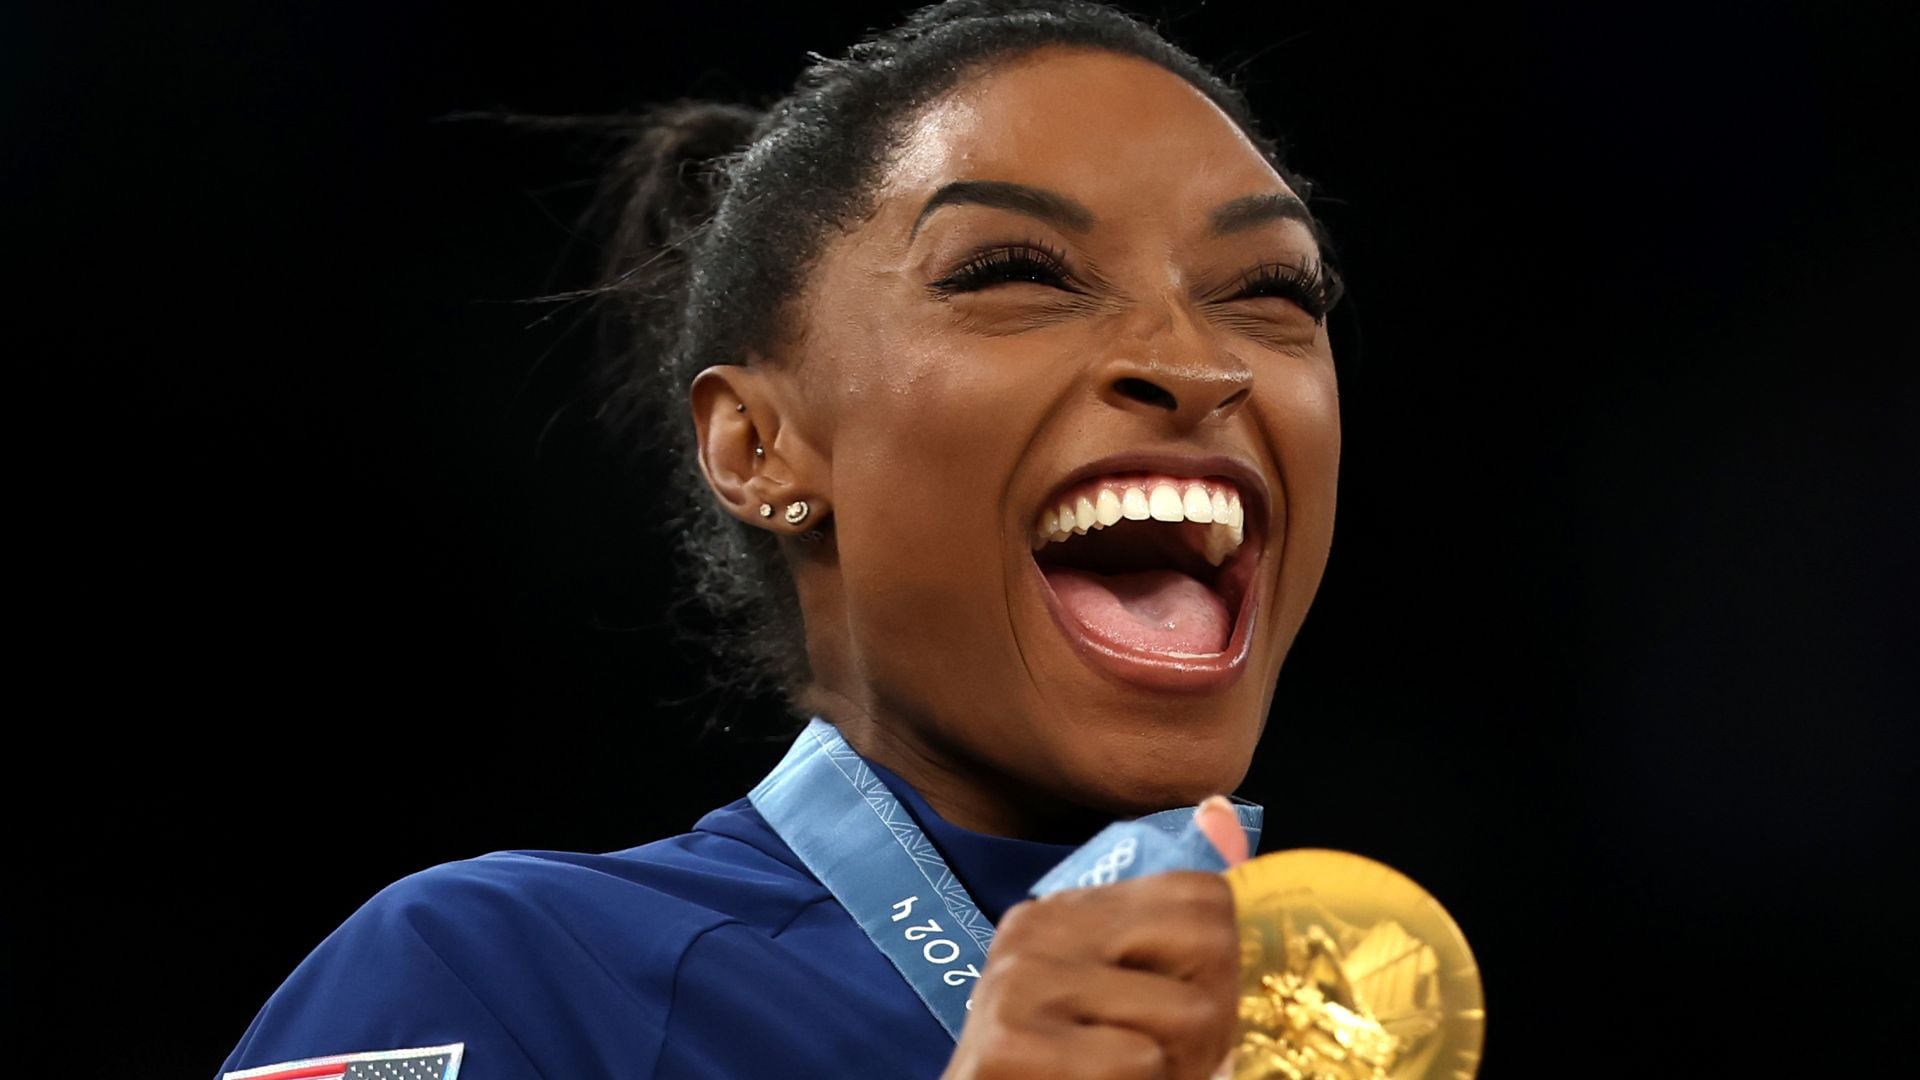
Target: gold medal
[1350,971]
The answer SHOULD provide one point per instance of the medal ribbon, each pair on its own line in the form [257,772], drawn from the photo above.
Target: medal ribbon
[853,834]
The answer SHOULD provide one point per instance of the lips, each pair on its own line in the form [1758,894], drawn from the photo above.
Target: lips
[1147,568]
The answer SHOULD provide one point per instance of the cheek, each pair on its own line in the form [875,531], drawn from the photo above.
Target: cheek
[928,438]
[940,421]
[1302,419]
[1305,406]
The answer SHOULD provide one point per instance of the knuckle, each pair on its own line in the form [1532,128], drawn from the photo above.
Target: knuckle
[1018,924]
[1023,1053]
[1021,985]
[1141,1056]
[1221,1016]
[1012,969]
[1190,892]
[1202,1012]
[1223,941]
[989,1002]
[1201,890]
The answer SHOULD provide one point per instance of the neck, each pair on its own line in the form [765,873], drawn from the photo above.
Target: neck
[963,790]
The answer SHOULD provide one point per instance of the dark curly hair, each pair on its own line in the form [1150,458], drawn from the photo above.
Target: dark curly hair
[716,212]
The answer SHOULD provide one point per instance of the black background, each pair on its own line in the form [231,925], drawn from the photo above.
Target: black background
[326,578]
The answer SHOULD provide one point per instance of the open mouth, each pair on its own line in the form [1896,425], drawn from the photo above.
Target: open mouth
[1150,569]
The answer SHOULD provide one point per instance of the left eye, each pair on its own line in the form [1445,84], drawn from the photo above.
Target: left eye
[1312,288]
[1003,266]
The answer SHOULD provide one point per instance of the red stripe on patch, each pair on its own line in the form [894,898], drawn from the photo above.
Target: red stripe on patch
[310,1072]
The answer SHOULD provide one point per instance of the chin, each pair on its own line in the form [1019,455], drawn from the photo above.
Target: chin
[1128,771]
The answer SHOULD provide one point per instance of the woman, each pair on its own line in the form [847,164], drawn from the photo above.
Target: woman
[1014,440]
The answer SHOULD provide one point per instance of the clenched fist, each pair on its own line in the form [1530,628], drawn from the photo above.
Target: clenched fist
[1134,981]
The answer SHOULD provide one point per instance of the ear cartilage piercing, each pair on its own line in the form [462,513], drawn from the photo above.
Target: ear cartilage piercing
[766,509]
[740,407]
[797,511]
[760,451]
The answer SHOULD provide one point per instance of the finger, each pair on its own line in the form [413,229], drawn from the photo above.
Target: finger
[1182,926]
[1109,1053]
[1026,990]
[1178,923]
[1193,1024]
[1033,1018]
[1060,1051]
[1221,825]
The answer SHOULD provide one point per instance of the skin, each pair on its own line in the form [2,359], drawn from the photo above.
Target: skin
[926,431]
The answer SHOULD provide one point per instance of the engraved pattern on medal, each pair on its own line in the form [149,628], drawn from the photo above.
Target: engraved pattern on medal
[1350,971]
[1345,1003]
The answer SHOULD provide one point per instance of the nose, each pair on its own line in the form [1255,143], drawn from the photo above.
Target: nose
[1178,371]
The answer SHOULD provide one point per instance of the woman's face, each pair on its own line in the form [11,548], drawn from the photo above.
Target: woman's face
[1081,286]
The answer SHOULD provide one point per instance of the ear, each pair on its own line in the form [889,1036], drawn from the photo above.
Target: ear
[752,453]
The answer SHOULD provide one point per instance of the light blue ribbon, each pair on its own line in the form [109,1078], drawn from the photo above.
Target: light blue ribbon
[853,834]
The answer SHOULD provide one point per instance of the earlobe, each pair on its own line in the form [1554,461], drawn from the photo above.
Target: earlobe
[751,455]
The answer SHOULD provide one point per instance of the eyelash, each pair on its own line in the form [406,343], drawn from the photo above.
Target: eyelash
[1314,287]
[1030,261]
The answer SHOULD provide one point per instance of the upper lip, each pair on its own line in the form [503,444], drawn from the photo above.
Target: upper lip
[1244,475]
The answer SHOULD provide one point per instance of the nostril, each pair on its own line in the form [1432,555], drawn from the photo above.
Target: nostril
[1145,392]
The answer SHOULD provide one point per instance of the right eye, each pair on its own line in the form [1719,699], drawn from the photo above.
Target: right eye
[1033,263]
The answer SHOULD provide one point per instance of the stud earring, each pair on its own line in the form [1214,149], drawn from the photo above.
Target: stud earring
[759,451]
[797,511]
[766,510]
[740,407]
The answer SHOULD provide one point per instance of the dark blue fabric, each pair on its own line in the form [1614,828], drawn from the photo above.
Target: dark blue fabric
[997,871]
[711,954]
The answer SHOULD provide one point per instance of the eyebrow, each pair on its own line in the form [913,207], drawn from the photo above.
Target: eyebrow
[1250,210]
[1006,195]
[1234,216]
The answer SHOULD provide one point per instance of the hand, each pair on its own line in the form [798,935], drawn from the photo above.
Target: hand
[1133,980]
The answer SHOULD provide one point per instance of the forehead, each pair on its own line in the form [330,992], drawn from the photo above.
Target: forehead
[1113,130]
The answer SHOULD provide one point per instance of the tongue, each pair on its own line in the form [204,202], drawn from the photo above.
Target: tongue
[1163,611]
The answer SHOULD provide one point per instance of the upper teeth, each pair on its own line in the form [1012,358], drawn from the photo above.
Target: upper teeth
[1102,502]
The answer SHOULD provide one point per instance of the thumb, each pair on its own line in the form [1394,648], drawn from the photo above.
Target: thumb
[1221,825]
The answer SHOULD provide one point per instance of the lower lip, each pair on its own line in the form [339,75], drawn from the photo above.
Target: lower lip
[1191,674]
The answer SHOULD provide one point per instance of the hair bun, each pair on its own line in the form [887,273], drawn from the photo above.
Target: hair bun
[671,170]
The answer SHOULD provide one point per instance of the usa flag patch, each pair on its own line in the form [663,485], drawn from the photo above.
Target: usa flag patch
[420,1063]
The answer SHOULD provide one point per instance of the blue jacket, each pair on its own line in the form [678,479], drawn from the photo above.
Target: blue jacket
[711,954]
